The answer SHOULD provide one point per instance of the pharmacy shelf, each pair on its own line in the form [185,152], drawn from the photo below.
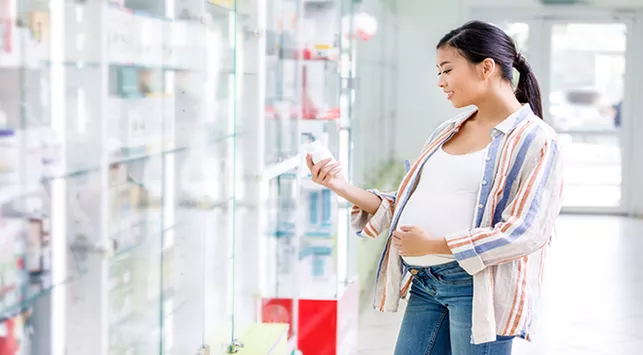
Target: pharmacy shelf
[126,158]
[157,232]
[277,169]
[12,192]
[137,220]
[155,235]
[20,306]
[80,65]
[32,297]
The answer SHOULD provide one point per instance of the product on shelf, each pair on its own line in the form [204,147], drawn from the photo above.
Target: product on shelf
[308,108]
[315,103]
[13,334]
[39,25]
[33,156]
[50,150]
[3,118]
[128,220]
[322,262]
[226,3]
[18,48]
[9,152]
[11,263]
[364,26]
[35,245]
[201,181]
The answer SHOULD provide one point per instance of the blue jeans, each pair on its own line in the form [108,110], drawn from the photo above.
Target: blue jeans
[438,315]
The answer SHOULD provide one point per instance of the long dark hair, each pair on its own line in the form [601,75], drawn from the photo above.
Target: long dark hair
[477,41]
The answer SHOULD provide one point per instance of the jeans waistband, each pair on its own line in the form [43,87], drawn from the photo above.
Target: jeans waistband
[437,269]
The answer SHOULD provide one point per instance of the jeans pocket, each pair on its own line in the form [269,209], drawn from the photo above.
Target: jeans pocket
[455,276]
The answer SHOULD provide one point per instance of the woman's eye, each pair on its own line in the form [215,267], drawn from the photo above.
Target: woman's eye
[444,72]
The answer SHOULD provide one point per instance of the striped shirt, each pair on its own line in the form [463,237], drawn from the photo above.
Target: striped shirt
[518,201]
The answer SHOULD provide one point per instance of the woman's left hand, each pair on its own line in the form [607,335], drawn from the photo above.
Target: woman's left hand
[414,241]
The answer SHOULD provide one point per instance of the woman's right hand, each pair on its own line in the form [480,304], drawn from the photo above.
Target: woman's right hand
[327,174]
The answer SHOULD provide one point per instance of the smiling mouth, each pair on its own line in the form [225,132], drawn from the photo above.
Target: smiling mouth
[449,94]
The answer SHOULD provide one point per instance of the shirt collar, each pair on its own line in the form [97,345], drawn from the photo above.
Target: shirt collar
[514,119]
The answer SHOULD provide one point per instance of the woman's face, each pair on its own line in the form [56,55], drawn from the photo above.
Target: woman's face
[461,81]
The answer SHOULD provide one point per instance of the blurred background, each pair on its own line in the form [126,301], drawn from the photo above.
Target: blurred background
[154,200]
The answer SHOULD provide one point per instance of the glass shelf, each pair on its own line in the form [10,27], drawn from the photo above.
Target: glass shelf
[23,305]
[126,158]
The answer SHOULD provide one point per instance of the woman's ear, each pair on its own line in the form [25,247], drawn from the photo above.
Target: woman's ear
[488,67]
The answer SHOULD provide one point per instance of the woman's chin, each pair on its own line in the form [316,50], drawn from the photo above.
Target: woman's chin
[460,103]
[457,104]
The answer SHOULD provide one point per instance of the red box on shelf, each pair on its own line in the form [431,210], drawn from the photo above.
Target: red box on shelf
[326,327]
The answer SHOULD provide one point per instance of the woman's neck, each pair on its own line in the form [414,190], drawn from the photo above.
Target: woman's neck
[496,107]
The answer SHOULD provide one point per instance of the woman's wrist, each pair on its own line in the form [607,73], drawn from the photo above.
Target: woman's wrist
[440,246]
[363,199]
[343,189]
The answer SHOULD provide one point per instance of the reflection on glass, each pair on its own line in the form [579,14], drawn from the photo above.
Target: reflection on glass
[587,68]
[586,93]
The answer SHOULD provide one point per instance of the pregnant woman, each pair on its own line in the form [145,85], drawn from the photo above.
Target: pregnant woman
[469,226]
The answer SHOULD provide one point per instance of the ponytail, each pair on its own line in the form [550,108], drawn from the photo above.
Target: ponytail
[528,90]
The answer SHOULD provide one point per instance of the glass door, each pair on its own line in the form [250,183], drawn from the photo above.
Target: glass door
[586,87]
[581,65]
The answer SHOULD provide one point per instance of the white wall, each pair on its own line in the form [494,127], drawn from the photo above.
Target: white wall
[421,106]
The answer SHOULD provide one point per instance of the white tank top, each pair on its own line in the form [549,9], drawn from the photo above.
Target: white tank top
[445,199]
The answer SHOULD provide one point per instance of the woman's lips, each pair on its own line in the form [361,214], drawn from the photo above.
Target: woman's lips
[449,94]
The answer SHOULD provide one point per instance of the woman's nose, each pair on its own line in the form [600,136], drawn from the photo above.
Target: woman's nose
[441,83]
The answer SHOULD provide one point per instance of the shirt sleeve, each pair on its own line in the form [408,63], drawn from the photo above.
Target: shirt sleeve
[368,225]
[372,225]
[527,222]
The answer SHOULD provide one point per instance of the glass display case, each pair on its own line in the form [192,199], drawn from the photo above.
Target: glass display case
[302,266]
[153,192]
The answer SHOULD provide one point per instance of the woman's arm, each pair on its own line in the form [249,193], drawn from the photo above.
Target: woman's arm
[372,211]
[365,200]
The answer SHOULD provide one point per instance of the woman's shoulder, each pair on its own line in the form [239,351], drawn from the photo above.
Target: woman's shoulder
[533,139]
[536,131]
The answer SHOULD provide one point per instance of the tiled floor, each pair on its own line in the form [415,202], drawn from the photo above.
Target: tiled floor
[592,301]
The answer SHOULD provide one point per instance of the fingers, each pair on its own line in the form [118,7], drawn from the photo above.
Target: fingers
[335,169]
[316,169]
[309,162]
[398,244]
[408,228]
[399,235]
[402,251]
[325,171]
